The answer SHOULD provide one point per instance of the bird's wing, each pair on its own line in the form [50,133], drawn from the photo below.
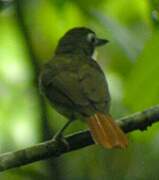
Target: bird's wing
[81,88]
[61,85]
[94,86]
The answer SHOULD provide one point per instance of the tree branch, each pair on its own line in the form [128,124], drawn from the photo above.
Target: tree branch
[140,120]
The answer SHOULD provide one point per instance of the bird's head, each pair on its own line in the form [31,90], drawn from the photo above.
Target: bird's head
[79,40]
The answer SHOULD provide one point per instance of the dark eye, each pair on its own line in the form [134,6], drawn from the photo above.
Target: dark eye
[91,38]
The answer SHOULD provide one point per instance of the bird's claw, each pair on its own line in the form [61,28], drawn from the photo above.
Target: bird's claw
[60,139]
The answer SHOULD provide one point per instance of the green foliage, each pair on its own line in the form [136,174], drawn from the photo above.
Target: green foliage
[130,61]
[142,85]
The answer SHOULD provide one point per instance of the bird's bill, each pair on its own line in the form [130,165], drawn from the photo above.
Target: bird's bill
[100,42]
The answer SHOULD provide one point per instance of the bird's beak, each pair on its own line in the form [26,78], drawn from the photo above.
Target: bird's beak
[100,42]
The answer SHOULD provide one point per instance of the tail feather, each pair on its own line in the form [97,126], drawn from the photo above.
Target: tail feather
[106,132]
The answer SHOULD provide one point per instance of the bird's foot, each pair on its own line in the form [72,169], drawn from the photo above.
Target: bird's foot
[60,139]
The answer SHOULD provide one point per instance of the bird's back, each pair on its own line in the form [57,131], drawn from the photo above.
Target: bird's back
[75,86]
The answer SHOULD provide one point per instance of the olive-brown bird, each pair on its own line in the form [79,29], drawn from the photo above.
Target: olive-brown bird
[76,87]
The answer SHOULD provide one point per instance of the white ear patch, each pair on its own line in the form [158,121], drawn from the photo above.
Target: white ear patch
[91,37]
[95,54]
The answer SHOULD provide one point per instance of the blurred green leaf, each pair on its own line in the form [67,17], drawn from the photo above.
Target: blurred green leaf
[142,86]
[129,42]
[84,5]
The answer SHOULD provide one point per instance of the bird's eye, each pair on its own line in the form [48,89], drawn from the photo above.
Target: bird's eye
[91,38]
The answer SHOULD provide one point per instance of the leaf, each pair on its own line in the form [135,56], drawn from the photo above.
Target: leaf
[130,43]
[142,86]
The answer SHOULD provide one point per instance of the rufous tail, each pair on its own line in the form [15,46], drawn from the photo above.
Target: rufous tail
[106,132]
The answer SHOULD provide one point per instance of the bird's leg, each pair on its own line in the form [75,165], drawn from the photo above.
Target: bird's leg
[59,135]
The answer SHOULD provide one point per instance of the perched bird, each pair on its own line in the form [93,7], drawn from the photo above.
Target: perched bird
[76,87]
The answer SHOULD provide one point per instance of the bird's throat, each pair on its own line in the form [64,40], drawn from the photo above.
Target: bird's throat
[94,55]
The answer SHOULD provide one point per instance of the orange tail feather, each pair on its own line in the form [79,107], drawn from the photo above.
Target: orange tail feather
[106,132]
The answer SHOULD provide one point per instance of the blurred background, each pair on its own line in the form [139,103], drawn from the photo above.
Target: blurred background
[29,32]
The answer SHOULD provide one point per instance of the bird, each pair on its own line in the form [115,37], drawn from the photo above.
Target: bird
[76,87]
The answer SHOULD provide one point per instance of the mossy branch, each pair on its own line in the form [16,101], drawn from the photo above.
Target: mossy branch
[140,121]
